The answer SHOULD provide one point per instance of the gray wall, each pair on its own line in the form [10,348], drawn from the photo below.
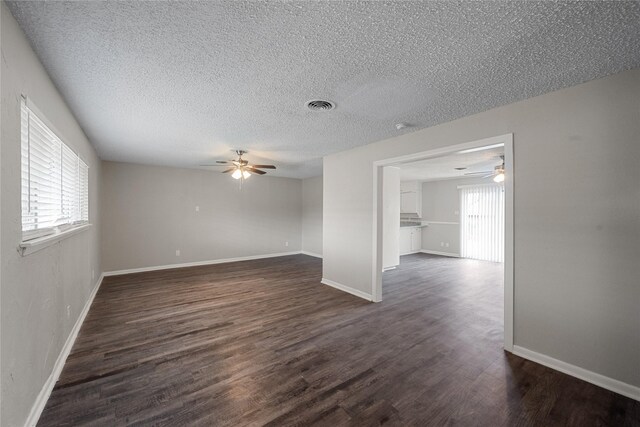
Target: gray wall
[150,212]
[42,293]
[577,217]
[312,215]
[440,202]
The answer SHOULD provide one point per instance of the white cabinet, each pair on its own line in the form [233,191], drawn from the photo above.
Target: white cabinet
[406,186]
[408,202]
[411,199]
[405,240]
[410,240]
[416,239]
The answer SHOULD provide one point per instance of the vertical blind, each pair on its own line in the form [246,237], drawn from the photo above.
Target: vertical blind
[482,222]
[55,181]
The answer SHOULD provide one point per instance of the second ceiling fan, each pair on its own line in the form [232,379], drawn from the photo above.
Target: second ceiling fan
[497,172]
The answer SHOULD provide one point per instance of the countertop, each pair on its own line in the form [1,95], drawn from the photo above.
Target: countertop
[415,224]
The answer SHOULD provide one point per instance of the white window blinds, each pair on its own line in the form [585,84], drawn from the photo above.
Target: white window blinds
[482,222]
[55,182]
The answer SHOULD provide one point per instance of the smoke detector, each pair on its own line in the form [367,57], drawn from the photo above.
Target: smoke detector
[320,105]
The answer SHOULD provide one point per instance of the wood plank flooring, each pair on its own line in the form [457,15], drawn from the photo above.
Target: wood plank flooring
[264,343]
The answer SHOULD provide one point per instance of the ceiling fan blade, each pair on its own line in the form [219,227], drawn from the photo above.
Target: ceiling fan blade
[254,171]
[264,166]
[212,165]
[223,161]
[229,170]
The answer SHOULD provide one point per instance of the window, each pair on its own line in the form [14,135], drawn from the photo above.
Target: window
[55,181]
[482,222]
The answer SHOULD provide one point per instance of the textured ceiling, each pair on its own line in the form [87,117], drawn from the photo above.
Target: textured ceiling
[438,168]
[181,83]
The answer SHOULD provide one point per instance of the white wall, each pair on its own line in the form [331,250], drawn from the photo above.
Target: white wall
[150,212]
[38,289]
[312,215]
[577,217]
[440,202]
[390,217]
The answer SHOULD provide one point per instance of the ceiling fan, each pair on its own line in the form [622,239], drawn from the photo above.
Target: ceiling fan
[497,172]
[240,168]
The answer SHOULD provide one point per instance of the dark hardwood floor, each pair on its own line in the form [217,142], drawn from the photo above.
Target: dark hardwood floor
[264,343]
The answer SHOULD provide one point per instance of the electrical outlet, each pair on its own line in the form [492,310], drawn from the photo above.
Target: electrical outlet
[197,208]
[68,311]
[442,244]
[177,252]
[286,243]
[446,244]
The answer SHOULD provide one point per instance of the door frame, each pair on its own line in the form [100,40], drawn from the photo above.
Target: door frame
[507,140]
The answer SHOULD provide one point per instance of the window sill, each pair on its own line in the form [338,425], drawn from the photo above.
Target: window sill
[34,245]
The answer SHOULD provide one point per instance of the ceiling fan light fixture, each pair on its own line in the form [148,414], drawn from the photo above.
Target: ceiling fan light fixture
[240,168]
[499,177]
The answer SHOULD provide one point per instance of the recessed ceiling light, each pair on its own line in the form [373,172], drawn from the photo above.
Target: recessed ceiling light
[320,105]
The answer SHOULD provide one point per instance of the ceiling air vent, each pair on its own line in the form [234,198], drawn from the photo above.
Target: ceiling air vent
[320,105]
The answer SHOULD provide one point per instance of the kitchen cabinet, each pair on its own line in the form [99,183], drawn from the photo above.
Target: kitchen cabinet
[416,240]
[410,240]
[406,186]
[409,202]
[411,199]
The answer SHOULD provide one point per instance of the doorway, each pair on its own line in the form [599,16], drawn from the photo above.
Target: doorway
[504,141]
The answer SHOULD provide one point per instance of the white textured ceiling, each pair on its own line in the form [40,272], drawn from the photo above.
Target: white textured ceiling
[444,167]
[181,83]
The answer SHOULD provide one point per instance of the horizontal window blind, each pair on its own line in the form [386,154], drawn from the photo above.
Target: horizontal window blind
[482,222]
[83,196]
[55,181]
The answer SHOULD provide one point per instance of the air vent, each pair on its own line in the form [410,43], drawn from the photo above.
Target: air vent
[320,105]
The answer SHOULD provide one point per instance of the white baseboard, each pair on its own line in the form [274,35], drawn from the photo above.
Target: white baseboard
[410,253]
[197,263]
[616,386]
[451,254]
[346,289]
[311,254]
[47,388]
